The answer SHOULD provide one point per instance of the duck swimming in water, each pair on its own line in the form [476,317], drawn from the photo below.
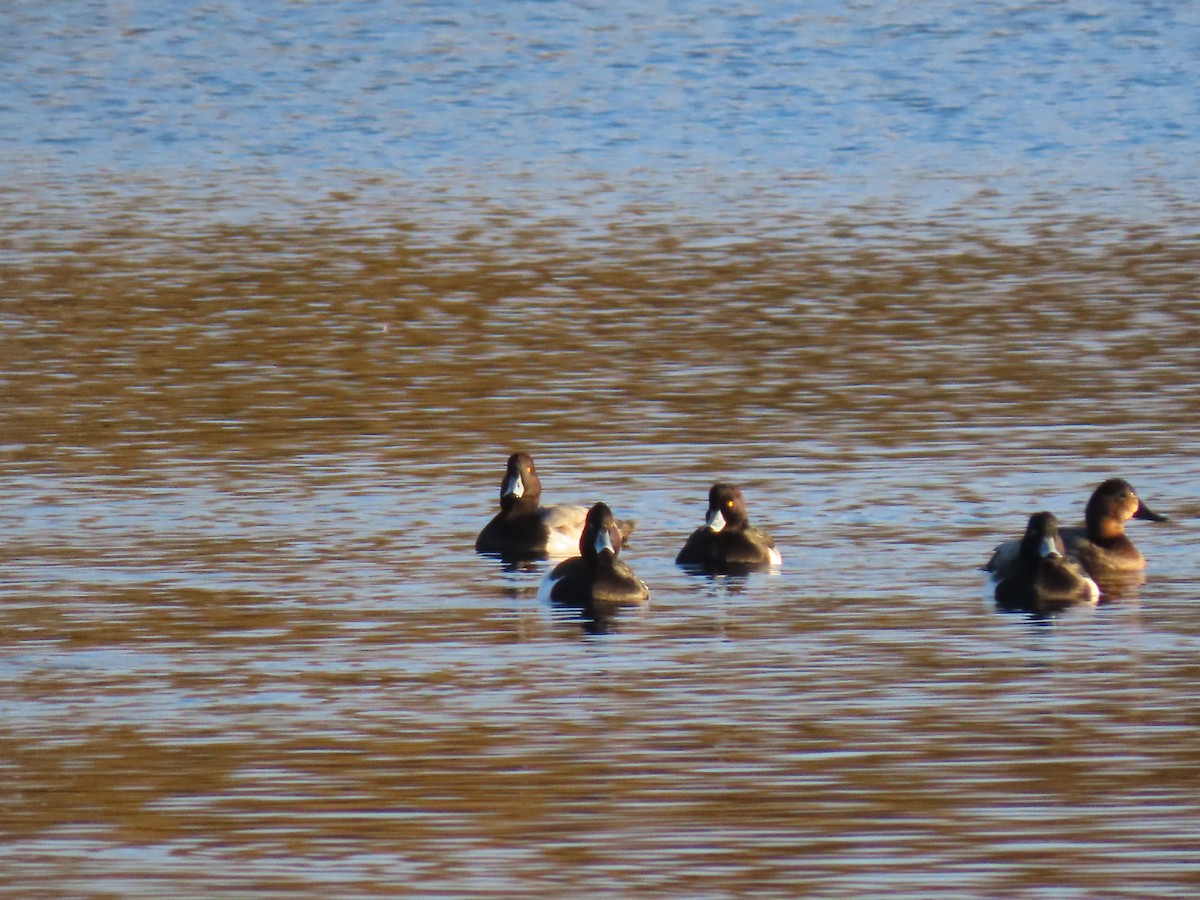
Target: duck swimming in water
[526,530]
[727,543]
[1038,577]
[1101,544]
[595,580]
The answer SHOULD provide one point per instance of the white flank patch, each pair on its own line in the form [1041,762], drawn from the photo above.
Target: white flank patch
[546,586]
[562,544]
[989,588]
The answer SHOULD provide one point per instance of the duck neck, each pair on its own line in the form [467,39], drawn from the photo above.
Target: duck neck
[733,525]
[517,505]
[603,562]
[1105,530]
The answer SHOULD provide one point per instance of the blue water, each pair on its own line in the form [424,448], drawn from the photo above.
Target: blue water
[685,110]
[283,284]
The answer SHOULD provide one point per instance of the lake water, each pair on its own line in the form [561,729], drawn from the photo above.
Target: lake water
[282,287]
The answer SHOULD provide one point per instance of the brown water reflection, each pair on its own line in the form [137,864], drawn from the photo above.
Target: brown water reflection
[248,647]
[258,344]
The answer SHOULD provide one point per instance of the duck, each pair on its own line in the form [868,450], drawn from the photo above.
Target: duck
[523,529]
[727,543]
[596,580]
[1101,544]
[1039,577]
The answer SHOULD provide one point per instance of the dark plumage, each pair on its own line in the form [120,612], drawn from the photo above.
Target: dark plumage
[1038,577]
[524,529]
[727,543]
[1101,544]
[595,580]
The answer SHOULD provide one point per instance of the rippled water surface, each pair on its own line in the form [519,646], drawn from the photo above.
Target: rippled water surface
[282,287]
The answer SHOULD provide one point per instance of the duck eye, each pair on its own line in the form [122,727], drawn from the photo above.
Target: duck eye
[729,503]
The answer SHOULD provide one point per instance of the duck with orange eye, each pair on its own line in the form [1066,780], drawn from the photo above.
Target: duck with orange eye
[523,529]
[727,543]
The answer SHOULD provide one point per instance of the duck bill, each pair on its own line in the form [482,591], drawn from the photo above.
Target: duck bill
[1049,548]
[1146,513]
[514,487]
[604,543]
[714,520]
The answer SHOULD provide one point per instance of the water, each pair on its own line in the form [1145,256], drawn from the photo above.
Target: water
[280,290]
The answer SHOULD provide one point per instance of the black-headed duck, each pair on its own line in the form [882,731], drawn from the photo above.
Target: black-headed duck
[595,579]
[524,529]
[1038,577]
[727,543]
[1101,544]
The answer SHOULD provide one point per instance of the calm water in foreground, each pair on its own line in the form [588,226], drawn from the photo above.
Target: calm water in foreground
[280,293]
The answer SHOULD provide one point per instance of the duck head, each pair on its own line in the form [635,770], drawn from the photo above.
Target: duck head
[726,507]
[520,481]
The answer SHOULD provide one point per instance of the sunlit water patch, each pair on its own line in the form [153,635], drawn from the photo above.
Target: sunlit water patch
[280,293]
